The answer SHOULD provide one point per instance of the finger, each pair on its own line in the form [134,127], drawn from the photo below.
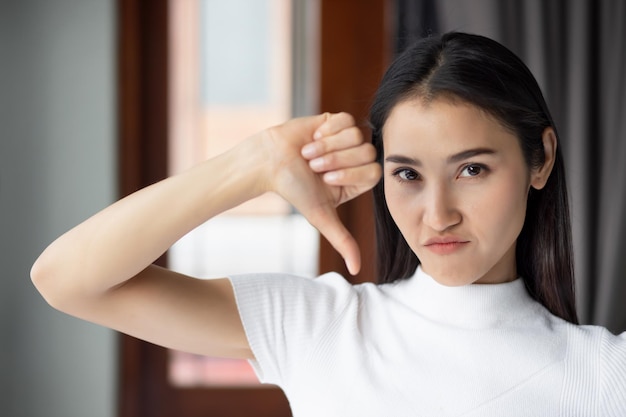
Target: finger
[298,131]
[354,181]
[329,225]
[366,176]
[344,139]
[333,123]
[352,157]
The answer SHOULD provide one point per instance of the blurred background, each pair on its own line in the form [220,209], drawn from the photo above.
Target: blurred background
[101,97]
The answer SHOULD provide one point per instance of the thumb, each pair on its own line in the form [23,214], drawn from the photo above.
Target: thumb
[329,225]
[308,123]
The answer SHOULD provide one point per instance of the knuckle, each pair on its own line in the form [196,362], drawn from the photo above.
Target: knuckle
[321,147]
[272,132]
[346,117]
[330,160]
[376,173]
[355,134]
[370,152]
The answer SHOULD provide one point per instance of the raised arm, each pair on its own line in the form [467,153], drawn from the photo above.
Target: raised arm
[101,270]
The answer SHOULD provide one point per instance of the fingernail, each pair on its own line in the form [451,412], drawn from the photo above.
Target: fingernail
[330,176]
[308,151]
[352,268]
[317,135]
[316,164]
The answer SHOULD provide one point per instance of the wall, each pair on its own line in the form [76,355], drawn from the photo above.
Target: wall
[57,166]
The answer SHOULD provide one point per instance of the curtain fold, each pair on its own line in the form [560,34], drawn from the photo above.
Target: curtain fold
[610,308]
[577,51]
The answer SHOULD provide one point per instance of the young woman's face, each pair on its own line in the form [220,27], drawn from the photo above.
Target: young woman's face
[456,184]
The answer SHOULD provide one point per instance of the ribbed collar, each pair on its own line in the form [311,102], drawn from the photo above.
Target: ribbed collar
[471,306]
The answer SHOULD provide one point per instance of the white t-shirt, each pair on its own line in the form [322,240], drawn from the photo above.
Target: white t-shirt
[417,348]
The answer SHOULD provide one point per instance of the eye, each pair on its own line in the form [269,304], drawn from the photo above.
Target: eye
[405,174]
[473,170]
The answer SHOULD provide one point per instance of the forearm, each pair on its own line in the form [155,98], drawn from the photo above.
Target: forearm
[119,242]
[111,248]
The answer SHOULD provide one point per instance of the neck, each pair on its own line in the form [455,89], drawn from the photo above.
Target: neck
[472,306]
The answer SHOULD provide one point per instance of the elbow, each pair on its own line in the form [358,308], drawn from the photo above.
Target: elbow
[40,276]
[38,273]
[44,275]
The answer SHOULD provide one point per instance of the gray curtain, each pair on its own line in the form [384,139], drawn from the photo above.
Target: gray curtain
[577,51]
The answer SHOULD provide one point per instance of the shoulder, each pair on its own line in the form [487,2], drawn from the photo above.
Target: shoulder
[288,301]
[592,340]
[612,373]
[285,317]
[279,286]
[598,358]
[613,359]
[299,303]
[596,338]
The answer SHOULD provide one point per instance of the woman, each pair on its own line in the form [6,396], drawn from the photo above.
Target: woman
[475,311]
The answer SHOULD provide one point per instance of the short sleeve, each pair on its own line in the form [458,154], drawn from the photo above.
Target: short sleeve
[284,316]
[613,375]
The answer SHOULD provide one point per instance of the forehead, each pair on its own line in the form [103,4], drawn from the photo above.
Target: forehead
[443,125]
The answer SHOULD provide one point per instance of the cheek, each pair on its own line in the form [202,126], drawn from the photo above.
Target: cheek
[504,209]
[398,204]
[404,209]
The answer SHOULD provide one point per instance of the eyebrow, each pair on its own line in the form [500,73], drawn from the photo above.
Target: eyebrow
[470,153]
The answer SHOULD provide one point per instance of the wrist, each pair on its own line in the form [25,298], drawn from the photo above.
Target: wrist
[250,164]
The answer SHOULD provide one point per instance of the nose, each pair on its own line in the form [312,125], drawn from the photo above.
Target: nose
[440,211]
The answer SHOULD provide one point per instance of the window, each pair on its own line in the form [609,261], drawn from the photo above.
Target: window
[353,51]
[231,69]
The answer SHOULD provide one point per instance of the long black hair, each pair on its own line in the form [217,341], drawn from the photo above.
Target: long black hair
[484,73]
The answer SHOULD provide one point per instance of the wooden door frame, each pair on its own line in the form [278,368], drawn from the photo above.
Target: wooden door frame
[355,46]
[142,154]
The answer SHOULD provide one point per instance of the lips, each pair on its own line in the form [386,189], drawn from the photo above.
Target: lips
[444,245]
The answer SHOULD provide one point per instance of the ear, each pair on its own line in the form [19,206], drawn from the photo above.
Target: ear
[539,176]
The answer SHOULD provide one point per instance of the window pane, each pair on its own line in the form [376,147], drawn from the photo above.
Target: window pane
[235,59]
[231,73]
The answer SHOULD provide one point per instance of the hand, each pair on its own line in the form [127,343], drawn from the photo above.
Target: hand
[320,162]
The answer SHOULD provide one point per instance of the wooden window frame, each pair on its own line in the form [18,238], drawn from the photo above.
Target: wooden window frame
[355,47]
